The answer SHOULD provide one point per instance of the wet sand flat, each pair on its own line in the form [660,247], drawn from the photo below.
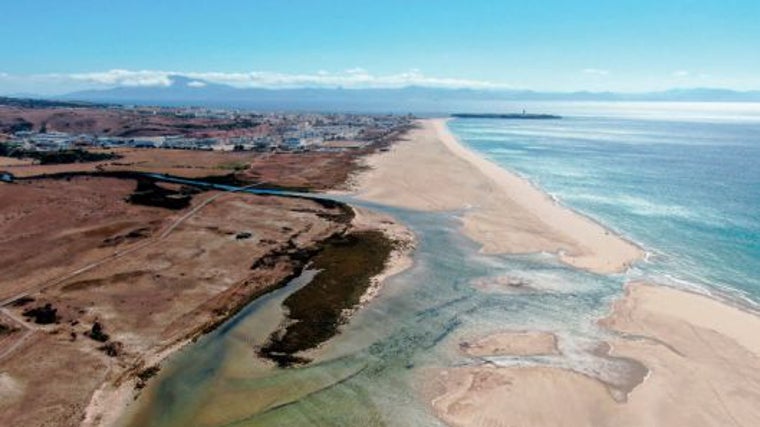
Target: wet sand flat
[702,355]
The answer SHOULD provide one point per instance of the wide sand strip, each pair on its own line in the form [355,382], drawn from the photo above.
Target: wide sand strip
[432,171]
[703,358]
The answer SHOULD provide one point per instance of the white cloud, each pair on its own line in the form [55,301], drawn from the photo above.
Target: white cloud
[681,73]
[124,78]
[596,71]
[351,78]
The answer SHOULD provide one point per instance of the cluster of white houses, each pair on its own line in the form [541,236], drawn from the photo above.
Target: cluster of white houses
[290,132]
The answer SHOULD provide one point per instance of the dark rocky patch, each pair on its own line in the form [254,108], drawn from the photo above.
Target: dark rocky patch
[97,333]
[243,235]
[43,315]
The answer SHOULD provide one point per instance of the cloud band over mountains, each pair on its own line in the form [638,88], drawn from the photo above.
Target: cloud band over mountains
[351,78]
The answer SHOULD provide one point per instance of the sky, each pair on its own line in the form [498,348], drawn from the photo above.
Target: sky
[53,46]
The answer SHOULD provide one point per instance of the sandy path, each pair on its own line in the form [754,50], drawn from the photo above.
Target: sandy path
[433,171]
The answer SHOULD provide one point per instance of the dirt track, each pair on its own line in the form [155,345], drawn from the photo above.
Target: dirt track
[151,276]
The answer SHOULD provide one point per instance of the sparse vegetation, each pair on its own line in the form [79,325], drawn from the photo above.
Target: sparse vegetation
[43,315]
[112,349]
[20,302]
[97,333]
[145,375]
[148,193]
[55,157]
[6,329]
[235,166]
[43,103]
[346,266]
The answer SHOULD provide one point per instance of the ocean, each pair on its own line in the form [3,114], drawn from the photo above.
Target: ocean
[683,183]
[681,180]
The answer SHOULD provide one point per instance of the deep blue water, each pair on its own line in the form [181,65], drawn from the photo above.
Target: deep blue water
[684,185]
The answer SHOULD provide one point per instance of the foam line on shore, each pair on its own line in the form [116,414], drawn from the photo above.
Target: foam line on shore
[432,171]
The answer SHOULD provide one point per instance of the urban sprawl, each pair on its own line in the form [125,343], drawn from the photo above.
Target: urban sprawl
[238,131]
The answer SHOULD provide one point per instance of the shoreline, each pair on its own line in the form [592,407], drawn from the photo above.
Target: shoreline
[537,387]
[122,392]
[502,211]
[99,411]
[665,334]
[484,162]
[658,335]
[400,258]
[671,333]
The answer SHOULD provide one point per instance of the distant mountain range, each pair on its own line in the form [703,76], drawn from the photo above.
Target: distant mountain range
[185,91]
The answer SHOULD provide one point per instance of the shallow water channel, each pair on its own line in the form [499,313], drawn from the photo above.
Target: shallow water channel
[373,372]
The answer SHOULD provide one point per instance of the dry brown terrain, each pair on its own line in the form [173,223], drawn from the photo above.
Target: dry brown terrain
[11,161]
[151,277]
[318,171]
[96,290]
[119,122]
[184,163]
[99,282]
[45,222]
[314,171]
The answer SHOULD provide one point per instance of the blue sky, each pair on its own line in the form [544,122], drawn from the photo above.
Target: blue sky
[53,46]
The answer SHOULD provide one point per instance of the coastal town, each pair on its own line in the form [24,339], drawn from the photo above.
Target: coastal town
[181,217]
[201,129]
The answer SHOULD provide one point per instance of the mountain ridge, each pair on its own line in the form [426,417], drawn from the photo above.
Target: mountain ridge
[188,91]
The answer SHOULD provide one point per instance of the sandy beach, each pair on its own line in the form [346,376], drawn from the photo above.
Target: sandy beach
[703,359]
[432,171]
[695,359]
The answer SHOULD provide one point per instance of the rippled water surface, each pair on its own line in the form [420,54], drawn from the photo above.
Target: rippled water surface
[684,183]
[686,188]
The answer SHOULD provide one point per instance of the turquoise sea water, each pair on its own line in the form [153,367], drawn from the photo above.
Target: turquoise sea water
[683,183]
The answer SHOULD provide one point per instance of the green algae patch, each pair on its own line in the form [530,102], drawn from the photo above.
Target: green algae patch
[346,265]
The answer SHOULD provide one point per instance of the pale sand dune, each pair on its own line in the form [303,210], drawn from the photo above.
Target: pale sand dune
[432,171]
[704,363]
